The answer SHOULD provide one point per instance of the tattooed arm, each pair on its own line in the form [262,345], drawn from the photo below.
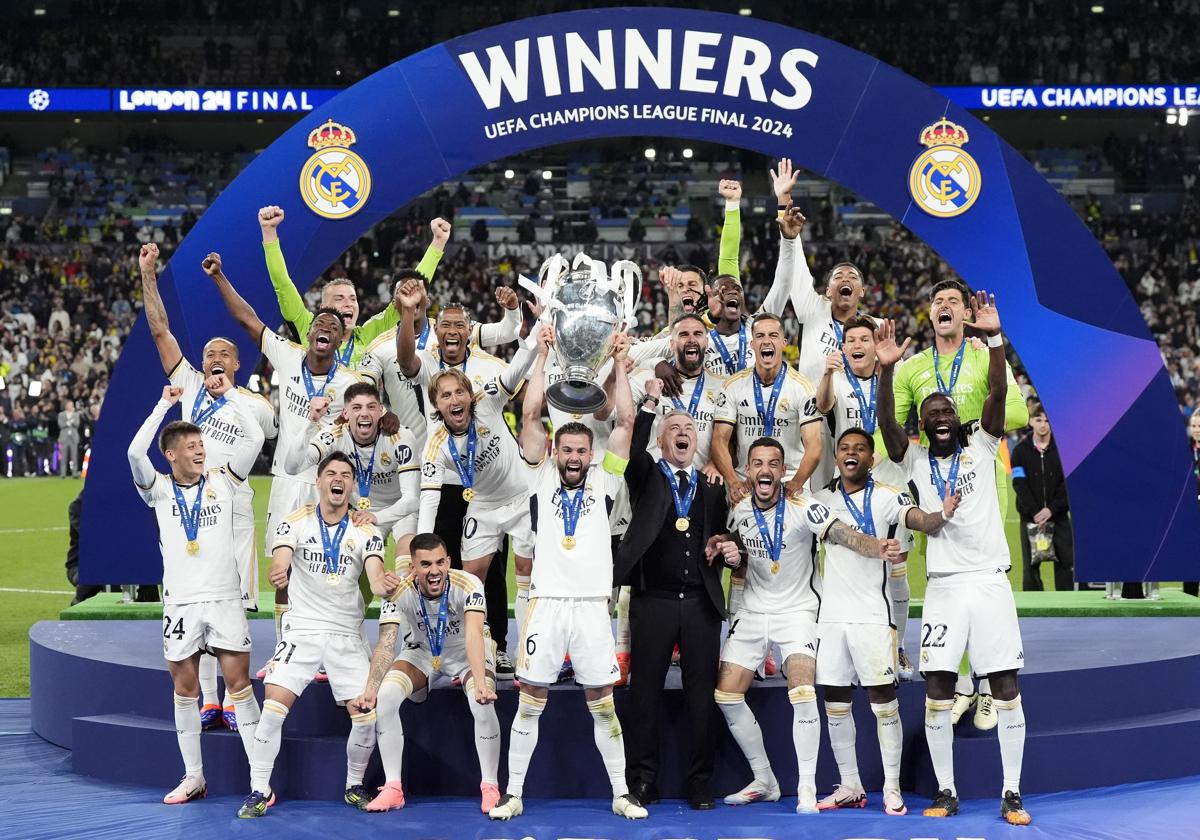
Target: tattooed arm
[840,533]
[381,663]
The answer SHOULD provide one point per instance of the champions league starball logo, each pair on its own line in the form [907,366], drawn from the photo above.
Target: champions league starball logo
[944,180]
[334,182]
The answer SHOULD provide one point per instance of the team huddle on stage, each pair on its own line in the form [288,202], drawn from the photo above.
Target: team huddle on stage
[394,454]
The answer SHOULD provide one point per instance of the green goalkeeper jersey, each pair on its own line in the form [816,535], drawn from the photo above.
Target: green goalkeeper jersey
[291,304]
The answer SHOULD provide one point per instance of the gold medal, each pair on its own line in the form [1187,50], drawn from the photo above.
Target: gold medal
[682,523]
[193,546]
[437,663]
[332,578]
[364,504]
[568,542]
[468,494]
[775,568]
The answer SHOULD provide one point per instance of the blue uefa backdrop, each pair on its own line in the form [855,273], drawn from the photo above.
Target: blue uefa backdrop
[725,79]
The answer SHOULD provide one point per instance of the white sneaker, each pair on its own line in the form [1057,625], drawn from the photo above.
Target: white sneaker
[508,807]
[756,791]
[806,800]
[191,787]
[843,797]
[893,804]
[962,702]
[985,713]
[904,669]
[627,806]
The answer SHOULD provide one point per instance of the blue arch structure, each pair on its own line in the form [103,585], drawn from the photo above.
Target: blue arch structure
[835,111]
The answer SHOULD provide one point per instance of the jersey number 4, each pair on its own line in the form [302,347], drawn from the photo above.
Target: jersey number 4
[168,630]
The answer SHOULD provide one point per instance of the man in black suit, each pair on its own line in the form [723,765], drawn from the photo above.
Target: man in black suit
[668,560]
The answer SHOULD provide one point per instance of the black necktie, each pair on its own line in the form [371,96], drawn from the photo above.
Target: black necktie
[683,483]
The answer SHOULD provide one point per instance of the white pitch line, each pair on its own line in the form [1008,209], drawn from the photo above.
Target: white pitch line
[32,530]
[39,591]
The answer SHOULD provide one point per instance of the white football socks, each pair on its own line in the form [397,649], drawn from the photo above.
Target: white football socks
[607,731]
[246,706]
[523,740]
[1011,731]
[891,741]
[487,733]
[939,735]
[806,733]
[359,746]
[842,738]
[268,736]
[187,732]
[745,730]
[395,689]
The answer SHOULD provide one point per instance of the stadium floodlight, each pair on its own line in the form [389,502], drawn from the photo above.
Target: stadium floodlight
[3,384]
[1171,117]
[38,11]
[1097,9]
[650,153]
[745,11]
[35,388]
[687,153]
[547,174]
[509,174]
[1183,117]
[393,13]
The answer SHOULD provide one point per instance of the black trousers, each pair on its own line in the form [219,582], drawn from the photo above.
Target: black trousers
[1064,552]
[656,625]
[452,509]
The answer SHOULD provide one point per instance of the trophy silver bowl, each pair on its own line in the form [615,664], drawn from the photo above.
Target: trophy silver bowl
[587,307]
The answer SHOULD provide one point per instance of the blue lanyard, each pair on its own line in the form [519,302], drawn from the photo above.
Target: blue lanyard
[682,504]
[866,523]
[948,390]
[310,386]
[866,407]
[767,414]
[189,517]
[774,546]
[437,638]
[199,418]
[332,545]
[732,365]
[364,475]
[571,509]
[344,356]
[442,360]
[465,467]
[697,393]
[423,338]
[951,480]
[837,331]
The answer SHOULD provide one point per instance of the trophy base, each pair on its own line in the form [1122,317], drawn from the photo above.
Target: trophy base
[576,397]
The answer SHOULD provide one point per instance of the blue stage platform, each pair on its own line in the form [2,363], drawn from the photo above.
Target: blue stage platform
[1108,701]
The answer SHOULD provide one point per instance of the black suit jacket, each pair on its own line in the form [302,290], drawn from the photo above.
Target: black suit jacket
[651,499]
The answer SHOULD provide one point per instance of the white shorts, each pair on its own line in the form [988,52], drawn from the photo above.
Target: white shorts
[856,654]
[972,612]
[206,626]
[752,633]
[454,660]
[287,495]
[484,528]
[555,627]
[346,658]
[243,544]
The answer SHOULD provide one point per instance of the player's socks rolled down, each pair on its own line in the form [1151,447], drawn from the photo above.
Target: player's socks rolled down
[842,736]
[891,741]
[939,735]
[1011,731]
[395,689]
[745,730]
[487,733]
[248,714]
[521,607]
[606,729]
[806,732]
[267,737]
[901,594]
[359,746]
[208,681]
[187,731]
[523,740]
[737,588]
[623,619]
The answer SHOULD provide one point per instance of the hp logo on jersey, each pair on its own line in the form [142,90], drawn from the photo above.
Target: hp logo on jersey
[335,182]
[944,180]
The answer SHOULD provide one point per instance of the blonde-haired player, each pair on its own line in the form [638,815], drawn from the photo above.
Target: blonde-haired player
[438,615]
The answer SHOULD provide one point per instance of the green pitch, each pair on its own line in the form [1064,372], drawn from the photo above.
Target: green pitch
[33,583]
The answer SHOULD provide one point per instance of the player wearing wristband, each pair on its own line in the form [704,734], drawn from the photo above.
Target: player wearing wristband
[969,606]
[194,506]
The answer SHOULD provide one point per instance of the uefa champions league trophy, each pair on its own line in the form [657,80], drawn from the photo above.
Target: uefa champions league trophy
[586,305]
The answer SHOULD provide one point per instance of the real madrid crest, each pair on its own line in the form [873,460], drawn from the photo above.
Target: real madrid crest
[334,182]
[944,179]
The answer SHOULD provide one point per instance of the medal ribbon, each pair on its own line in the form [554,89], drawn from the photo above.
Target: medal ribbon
[344,355]
[732,365]
[866,523]
[436,638]
[951,480]
[199,418]
[442,360]
[571,509]
[774,547]
[465,467]
[423,338]
[866,408]
[189,517]
[364,475]
[768,414]
[694,403]
[682,504]
[332,545]
[955,367]
[310,386]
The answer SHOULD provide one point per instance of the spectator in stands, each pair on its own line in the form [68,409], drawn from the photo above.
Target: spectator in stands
[68,439]
[1041,490]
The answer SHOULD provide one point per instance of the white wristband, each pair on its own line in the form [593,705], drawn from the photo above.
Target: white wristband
[732,205]
[996,340]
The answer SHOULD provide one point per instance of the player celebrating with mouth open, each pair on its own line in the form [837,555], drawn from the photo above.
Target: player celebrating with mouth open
[969,605]
[441,613]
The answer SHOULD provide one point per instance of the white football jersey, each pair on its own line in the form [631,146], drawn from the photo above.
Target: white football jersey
[288,359]
[586,570]
[797,406]
[405,397]
[404,608]
[392,461]
[820,334]
[792,583]
[325,597]
[855,586]
[222,428]
[711,387]
[211,573]
[974,539]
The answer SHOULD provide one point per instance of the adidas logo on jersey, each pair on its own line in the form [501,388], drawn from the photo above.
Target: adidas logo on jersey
[889,672]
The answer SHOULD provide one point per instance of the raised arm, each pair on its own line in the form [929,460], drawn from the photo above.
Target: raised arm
[622,399]
[888,353]
[533,433]
[139,462]
[440,229]
[409,295]
[825,395]
[516,371]
[241,311]
[508,328]
[640,462]
[987,319]
[728,259]
[390,316]
[156,314]
[291,303]
[791,222]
